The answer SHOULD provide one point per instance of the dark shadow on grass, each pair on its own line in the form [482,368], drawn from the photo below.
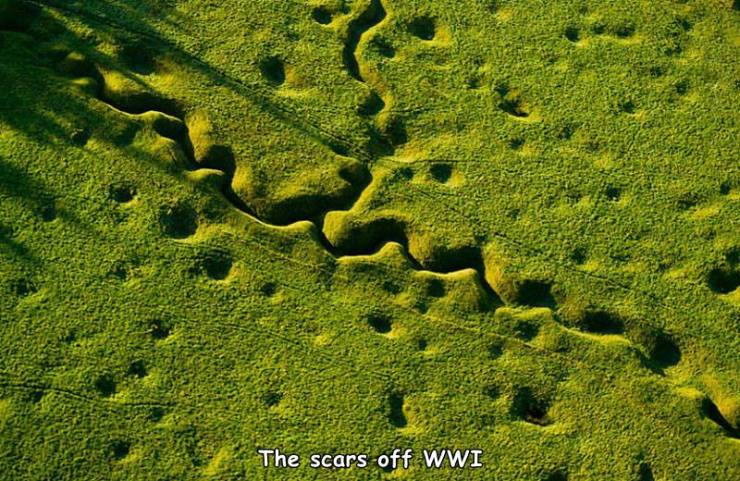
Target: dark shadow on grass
[128,21]
[27,191]
[9,247]
[16,183]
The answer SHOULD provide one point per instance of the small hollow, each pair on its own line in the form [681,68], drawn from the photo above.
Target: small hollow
[380,323]
[423,28]
[322,15]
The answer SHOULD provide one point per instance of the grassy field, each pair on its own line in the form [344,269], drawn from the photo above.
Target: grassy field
[348,226]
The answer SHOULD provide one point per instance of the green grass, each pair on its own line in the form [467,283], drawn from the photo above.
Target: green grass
[350,226]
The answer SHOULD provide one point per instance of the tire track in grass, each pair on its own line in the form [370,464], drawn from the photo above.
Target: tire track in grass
[8,382]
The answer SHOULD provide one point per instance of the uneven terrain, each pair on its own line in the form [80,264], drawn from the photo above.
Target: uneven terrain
[333,226]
